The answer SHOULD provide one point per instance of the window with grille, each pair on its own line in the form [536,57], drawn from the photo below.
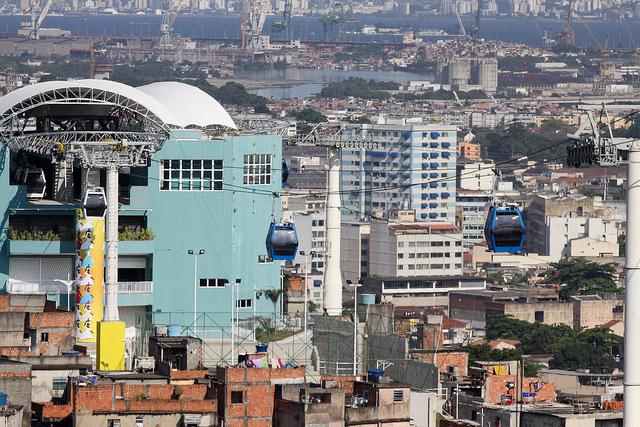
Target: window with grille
[257,169]
[191,175]
[59,383]
[398,396]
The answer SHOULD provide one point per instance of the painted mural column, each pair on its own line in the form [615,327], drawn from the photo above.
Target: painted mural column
[89,276]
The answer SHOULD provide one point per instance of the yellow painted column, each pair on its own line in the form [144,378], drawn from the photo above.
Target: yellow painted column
[89,276]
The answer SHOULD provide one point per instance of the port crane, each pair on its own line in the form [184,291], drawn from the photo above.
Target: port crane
[252,23]
[37,19]
[632,39]
[567,36]
[601,47]
[463,32]
[166,27]
[475,32]
[284,26]
[332,19]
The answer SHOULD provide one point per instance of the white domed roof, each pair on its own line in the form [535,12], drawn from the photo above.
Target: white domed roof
[54,91]
[189,105]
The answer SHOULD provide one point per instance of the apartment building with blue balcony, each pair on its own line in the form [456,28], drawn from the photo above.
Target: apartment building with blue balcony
[413,167]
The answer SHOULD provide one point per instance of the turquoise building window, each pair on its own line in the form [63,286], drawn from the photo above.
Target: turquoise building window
[191,175]
[257,169]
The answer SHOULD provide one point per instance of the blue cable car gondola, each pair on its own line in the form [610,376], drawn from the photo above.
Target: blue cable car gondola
[282,241]
[504,230]
[285,172]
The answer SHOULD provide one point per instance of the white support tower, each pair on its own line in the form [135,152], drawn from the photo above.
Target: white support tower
[596,145]
[332,273]
[632,293]
[111,241]
[103,141]
[334,138]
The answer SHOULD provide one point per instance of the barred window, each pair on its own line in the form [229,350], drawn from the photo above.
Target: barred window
[59,383]
[191,175]
[257,169]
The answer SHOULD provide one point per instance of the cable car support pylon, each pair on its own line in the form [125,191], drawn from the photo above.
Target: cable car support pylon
[334,138]
[594,143]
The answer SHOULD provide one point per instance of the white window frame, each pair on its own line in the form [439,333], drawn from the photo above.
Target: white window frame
[184,175]
[244,303]
[257,169]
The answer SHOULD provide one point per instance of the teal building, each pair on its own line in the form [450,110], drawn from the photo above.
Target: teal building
[192,225]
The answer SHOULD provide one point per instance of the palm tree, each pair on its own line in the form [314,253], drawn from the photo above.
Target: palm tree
[273,295]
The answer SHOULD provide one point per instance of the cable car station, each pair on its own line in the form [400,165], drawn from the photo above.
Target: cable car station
[125,182]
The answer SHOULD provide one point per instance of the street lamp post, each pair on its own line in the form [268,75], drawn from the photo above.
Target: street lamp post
[306,287]
[234,312]
[195,285]
[355,325]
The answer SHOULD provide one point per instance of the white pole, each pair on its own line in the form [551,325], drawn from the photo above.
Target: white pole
[306,290]
[69,284]
[255,303]
[355,329]
[457,399]
[237,322]
[631,414]
[195,293]
[111,279]
[332,273]
[232,343]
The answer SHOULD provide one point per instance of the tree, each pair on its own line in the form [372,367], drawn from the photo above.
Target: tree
[312,307]
[582,277]
[308,115]
[593,349]
[360,120]
[632,131]
[517,139]
[273,295]
[531,368]
[485,352]
[496,278]
[358,88]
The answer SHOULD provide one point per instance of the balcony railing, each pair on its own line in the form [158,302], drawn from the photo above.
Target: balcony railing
[15,286]
[135,287]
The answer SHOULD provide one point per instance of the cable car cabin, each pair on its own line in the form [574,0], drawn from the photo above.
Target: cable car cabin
[282,241]
[36,184]
[285,172]
[95,203]
[504,230]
